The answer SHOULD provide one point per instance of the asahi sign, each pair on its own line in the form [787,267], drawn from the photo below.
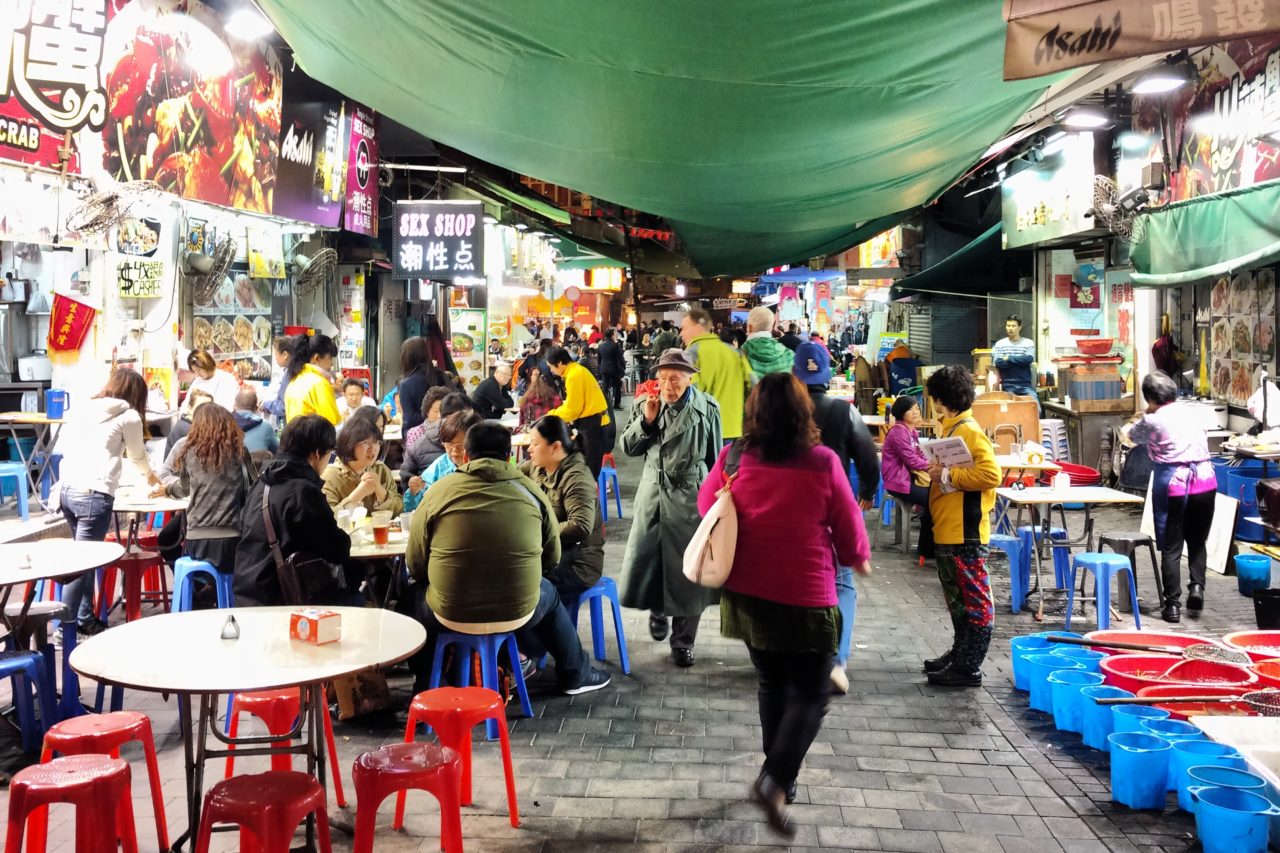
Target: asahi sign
[1045,36]
[438,240]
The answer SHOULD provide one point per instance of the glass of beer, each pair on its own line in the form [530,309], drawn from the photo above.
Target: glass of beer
[381,527]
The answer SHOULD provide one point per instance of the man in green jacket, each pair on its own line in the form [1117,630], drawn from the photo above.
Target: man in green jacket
[723,372]
[765,353]
[481,541]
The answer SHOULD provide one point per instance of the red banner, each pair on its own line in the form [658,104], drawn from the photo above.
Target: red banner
[69,324]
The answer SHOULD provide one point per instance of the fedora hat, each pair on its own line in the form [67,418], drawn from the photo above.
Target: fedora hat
[675,359]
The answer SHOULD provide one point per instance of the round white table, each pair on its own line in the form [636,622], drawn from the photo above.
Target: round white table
[184,653]
[364,548]
[135,502]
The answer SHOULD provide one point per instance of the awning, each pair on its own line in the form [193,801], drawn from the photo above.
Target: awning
[1208,236]
[762,130]
[528,200]
[978,258]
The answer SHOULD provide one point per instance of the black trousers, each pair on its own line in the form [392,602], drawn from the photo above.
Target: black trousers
[612,387]
[591,439]
[1188,520]
[794,687]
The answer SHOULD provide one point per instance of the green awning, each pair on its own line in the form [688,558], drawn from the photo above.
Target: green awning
[1208,236]
[762,130]
[575,257]
[528,200]
[959,271]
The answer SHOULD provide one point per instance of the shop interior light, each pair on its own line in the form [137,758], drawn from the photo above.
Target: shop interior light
[553,239]
[1053,144]
[489,220]
[1086,119]
[1159,82]
[520,226]
[681,290]
[248,24]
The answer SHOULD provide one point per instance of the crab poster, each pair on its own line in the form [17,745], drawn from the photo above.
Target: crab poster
[148,89]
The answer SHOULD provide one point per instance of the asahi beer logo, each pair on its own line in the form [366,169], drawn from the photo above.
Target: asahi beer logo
[1059,43]
[49,60]
[298,148]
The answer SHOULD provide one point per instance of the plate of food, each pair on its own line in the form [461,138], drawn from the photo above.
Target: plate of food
[1222,336]
[1264,339]
[262,294]
[224,338]
[463,343]
[225,296]
[202,334]
[242,331]
[1242,294]
[474,380]
[1241,382]
[138,237]
[1265,286]
[1241,339]
[1220,379]
[246,296]
[261,333]
[1220,296]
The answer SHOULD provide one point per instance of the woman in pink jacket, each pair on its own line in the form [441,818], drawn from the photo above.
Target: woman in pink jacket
[902,461]
[797,519]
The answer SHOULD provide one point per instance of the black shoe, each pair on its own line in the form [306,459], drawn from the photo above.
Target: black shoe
[791,793]
[772,799]
[682,658]
[1195,597]
[658,627]
[596,679]
[955,678]
[91,627]
[1171,612]
[938,664]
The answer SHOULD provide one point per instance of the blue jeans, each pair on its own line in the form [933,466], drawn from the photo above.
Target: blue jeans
[847,598]
[89,516]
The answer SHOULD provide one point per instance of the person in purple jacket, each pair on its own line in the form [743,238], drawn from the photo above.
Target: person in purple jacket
[901,464]
[1182,490]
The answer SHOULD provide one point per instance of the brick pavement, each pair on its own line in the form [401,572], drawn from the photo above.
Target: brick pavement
[661,761]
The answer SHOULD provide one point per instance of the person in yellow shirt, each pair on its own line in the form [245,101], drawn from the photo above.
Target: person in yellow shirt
[584,407]
[310,390]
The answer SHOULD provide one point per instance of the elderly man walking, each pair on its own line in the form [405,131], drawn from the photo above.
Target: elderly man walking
[722,371]
[764,352]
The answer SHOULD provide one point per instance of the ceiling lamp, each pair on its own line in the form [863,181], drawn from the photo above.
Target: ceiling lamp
[1159,82]
[1086,119]
[248,25]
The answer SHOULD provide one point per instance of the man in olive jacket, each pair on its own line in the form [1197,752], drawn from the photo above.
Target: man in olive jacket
[481,541]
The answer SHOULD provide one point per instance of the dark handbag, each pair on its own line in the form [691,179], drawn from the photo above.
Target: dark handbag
[1269,502]
[304,578]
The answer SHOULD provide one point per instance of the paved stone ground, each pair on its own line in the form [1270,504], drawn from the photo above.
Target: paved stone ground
[661,760]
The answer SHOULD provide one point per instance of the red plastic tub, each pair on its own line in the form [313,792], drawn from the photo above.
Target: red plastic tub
[1268,672]
[1259,645]
[1148,638]
[1133,672]
[1209,672]
[1182,711]
[1095,346]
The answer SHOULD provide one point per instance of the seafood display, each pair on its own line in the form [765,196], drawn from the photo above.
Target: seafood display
[1242,294]
[1220,296]
[1241,340]
[1264,339]
[1241,382]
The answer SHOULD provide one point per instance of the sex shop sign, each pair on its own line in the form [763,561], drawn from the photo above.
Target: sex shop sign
[438,240]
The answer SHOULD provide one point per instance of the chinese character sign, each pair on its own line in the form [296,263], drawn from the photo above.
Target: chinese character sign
[140,279]
[361,213]
[69,324]
[439,240]
[49,57]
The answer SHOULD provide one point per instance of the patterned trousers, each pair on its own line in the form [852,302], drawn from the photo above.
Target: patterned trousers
[962,570]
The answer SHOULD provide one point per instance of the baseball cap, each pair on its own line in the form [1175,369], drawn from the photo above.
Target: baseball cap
[812,365]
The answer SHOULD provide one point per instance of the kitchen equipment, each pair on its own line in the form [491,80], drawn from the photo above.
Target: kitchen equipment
[34,368]
[1208,415]
[14,338]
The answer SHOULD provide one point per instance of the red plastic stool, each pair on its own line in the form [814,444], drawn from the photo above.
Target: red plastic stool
[106,733]
[97,785]
[268,808]
[453,712]
[278,709]
[136,566]
[397,767]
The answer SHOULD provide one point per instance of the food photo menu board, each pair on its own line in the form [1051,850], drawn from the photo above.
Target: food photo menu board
[1242,309]
[467,344]
[234,321]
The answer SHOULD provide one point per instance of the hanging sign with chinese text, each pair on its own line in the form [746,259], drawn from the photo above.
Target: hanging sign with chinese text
[1046,36]
[69,324]
[361,212]
[139,279]
[439,240]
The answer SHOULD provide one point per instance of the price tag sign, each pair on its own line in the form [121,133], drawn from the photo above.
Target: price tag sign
[438,240]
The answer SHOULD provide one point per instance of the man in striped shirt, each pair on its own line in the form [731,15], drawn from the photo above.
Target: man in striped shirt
[1013,356]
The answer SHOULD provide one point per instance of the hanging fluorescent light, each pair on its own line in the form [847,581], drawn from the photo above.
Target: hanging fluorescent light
[1159,82]
[248,24]
[520,226]
[1086,119]
[489,220]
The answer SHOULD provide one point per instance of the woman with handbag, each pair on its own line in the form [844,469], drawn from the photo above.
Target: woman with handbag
[905,469]
[213,472]
[797,519]
[304,533]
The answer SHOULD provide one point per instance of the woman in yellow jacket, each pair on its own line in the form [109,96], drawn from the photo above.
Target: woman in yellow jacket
[960,501]
[310,390]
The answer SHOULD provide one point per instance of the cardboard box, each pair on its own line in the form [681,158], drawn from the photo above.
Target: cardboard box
[315,626]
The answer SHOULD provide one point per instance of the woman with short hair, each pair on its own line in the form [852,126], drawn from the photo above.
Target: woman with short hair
[218,384]
[358,477]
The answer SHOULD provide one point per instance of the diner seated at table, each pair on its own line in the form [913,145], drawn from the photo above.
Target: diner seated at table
[492,397]
[354,397]
[195,399]
[905,467]
[422,443]
[303,520]
[214,472]
[482,542]
[259,436]
[358,477]
[453,429]
[539,398]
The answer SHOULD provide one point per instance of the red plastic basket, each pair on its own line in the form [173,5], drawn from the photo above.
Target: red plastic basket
[1081,475]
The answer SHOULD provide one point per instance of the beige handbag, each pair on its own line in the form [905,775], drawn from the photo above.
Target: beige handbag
[708,559]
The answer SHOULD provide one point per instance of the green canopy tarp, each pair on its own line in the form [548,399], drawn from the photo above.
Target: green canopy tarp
[979,257]
[764,131]
[1208,236]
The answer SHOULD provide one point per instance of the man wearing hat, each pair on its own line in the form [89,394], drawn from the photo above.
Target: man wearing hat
[844,432]
[676,431]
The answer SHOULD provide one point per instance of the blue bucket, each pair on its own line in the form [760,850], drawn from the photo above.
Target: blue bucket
[1068,704]
[1232,820]
[1253,571]
[1198,753]
[1139,764]
[1031,644]
[1218,776]
[1174,731]
[1129,718]
[1040,667]
[1242,484]
[1098,720]
[1088,657]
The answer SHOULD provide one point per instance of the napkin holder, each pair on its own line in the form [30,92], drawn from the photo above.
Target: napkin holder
[315,626]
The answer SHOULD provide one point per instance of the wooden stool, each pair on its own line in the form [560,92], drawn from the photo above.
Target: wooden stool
[97,785]
[399,767]
[268,808]
[453,712]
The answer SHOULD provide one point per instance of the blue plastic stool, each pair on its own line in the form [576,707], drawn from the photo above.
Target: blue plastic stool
[608,474]
[30,667]
[50,475]
[184,571]
[1061,552]
[1019,568]
[886,508]
[18,472]
[488,646]
[1104,568]
[879,501]
[604,588]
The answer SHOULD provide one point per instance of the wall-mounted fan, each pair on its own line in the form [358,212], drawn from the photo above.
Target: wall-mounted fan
[98,213]
[205,273]
[310,273]
[1117,211]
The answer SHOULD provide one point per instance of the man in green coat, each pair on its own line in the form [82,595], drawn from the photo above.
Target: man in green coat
[764,352]
[677,433]
[723,372]
[481,541]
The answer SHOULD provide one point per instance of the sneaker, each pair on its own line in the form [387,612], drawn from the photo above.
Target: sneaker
[596,679]
[839,680]
[528,667]
[92,627]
